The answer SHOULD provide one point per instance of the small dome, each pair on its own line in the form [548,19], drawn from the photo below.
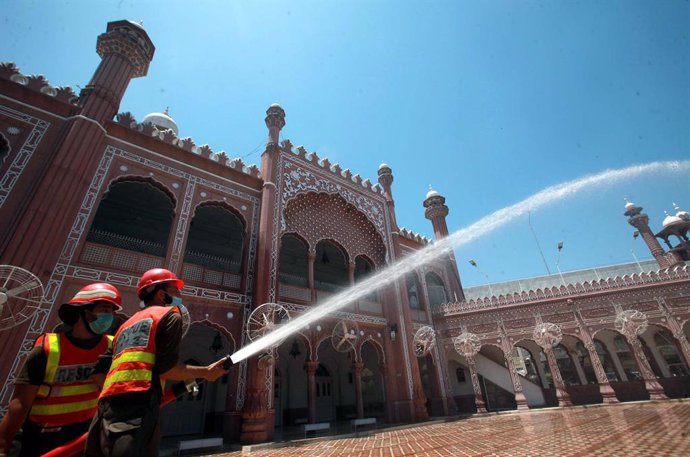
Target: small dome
[432,193]
[684,215]
[275,105]
[161,120]
[383,165]
[671,220]
[629,205]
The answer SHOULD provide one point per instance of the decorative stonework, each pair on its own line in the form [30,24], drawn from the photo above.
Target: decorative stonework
[467,344]
[297,179]
[38,83]
[547,334]
[21,159]
[578,290]
[631,322]
[129,41]
[343,223]
[187,144]
[64,267]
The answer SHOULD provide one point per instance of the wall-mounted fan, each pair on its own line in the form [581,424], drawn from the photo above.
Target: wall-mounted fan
[424,341]
[266,318]
[21,294]
[344,336]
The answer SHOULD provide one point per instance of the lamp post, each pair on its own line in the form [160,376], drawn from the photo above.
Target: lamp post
[474,264]
[558,260]
[636,233]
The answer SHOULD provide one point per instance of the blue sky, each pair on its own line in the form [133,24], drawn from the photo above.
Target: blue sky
[488,101]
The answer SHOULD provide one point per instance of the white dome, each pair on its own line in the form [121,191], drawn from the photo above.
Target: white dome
[383,165]
[681,213]
[432,193]
[629,205]
[671,220]
[162,121]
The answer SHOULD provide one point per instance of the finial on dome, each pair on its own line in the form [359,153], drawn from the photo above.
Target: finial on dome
[167,111]
[432,192]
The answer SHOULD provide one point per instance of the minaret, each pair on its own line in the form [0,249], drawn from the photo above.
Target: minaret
[126,51]
[436,211]
[640,221]
[256,427]
[401,317]
[42,235]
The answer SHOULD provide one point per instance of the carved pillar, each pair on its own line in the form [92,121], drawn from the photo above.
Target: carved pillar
[632,323]
[548,335]
[561,393]
[608,395]
[351,273]
[311,366]
[676,330]
[478,398]
[311,257]
[520,398]
[507,348]
[468,345]
[256,417]
[357,373]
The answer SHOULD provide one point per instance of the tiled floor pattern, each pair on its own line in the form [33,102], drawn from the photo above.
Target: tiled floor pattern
[631,430]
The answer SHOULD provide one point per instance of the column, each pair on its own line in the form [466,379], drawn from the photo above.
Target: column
[651,383]
[311,257]
[388,405]
[561,394]
[357,373]
[520,398]
[311,366]
[607,393]
[478,398]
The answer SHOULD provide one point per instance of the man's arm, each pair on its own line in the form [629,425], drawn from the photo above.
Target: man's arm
[181,371]
[20,405]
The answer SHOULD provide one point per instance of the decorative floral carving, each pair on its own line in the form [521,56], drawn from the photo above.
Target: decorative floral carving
[297,180]
[205,151]
[126,119]
[631,323]
[467,344]
[547,334]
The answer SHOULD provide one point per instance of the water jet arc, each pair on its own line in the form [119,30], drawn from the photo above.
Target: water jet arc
[458,238]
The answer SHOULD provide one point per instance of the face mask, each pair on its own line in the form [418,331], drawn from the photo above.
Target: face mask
[177,301]
[102,323]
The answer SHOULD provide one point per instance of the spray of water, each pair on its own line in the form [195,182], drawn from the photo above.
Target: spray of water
[446,245]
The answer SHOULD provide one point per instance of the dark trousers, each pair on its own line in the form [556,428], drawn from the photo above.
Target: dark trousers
[36,440]
[125,425]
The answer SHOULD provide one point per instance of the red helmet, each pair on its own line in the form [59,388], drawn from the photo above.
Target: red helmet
[92,293]
[157,276]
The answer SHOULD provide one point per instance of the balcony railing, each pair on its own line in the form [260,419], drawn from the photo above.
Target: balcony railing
[121,259]
[126,242]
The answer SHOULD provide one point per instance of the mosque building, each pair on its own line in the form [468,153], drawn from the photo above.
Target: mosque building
[88,193]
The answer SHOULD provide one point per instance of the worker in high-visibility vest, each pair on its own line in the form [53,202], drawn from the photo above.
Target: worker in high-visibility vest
[55,396]
[144,355]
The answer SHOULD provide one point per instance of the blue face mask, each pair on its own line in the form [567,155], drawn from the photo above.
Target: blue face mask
[177,301]
[102,323]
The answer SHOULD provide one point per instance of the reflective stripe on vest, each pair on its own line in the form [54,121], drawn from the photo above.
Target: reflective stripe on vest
[66,396]
[134,353]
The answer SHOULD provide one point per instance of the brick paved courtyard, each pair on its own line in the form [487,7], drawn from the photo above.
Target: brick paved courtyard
[632,429]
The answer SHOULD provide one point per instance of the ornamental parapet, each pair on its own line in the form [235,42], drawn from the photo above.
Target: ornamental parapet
[37,83]
[344,175]
[410,235]
[617,283]
[187,144]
